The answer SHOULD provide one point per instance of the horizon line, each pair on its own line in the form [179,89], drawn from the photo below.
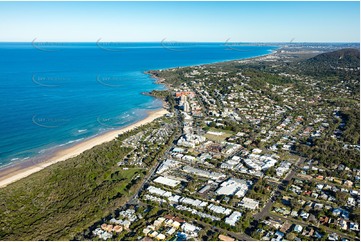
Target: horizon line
[175,41]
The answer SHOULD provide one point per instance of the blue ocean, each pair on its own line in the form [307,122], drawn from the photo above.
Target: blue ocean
[54,95]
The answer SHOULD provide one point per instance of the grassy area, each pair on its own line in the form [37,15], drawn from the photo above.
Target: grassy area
[218,138]
[62,200]
[289,157]
[344,100]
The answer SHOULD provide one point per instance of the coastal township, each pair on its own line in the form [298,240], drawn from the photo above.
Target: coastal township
[265,148]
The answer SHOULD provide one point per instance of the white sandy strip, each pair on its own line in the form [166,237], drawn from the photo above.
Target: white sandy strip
[78,149]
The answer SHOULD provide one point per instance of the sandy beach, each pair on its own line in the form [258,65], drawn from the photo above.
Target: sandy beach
[19,171]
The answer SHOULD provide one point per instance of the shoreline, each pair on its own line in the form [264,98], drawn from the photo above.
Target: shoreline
[16,172]
[21,170]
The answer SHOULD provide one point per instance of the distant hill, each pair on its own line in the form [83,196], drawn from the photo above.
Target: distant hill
[332,66]
[339,67]
[340,58]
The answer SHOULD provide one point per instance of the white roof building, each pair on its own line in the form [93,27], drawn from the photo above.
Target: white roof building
[298,228]
[199,172]
[186,227]
[233,186]
[204,189]
[234,161]
[167,181]
[167,164]
[219,209]
[174,198]
[158,191]
[188,158]
[249,203]
[233,218]
[171,231]
[226,190]
[195,203]
[160,237]
[256,151]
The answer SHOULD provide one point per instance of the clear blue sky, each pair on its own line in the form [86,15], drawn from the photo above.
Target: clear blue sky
[180,21]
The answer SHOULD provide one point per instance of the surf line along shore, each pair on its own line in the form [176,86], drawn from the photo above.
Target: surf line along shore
[14,173]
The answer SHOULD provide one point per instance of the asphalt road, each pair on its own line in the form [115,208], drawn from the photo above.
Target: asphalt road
[265,210]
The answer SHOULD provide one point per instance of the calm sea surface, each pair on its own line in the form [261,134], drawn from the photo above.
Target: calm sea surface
[53,95]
